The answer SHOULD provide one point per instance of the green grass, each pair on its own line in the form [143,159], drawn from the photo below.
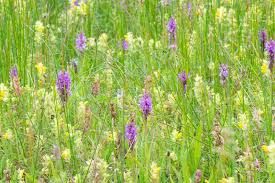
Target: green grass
[34,121]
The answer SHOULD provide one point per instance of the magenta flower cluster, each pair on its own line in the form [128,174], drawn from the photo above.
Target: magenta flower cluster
[270,49]
[145,104]
[63,85]
[14,72]
[81,42]
[183,79]
[224,72]
[131,133]
[172,27]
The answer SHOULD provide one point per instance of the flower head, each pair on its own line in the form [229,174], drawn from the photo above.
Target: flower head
[270,49]
[172,26]
[41,69]
[81,42]
[242,121]
[198,176]
[145,104]
[39,31]
[75,2]
[14,72]
[39,27]
[183,78]
[271,153]
[4,92]
[155,172]
[227,180]
[125,45]
[91,42]
[223,73]
[189,9]
[264,69]
[131,133]
[176,135]
[15,80]
[7,135]
[63,85]
[66,154]
[265,148]
[221,14]
[102,41]
[263,37]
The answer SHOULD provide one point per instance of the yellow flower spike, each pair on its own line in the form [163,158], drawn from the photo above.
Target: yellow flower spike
[155,172]
[41,69]
[39,27]
[66,154]
[227,180]
[173,156]
[265,148]
[158,44]
[221,14]
[243,121]
[83,9]
[129,37]
[7,135]
[111,136]
[91,42]
[4,93]
[176,135]
[264,69]
[21,173]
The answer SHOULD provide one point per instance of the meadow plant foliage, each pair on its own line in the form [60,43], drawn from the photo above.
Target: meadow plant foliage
[137,91]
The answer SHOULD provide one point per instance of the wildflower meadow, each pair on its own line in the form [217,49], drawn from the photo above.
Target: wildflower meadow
[137,91]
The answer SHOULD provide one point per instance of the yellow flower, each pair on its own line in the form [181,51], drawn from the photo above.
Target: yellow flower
[151,44]
[111,136]
[155,171]
[21,173]
[220,13]
[7,135]
[83,9]
[158,44]
[173,156]
[4,92]
[39,27]
[200,11]
[91,42]
[103,41]
[199,88]
[41,69]
[243,121]
[129,37]
[66,154]
[265,148]
[227,180]
[271,154]
[128,177]
[264,69]
[138,42]
[176,135]
[211,66]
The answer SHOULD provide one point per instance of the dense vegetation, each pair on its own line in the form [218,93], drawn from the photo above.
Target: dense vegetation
[137,91]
